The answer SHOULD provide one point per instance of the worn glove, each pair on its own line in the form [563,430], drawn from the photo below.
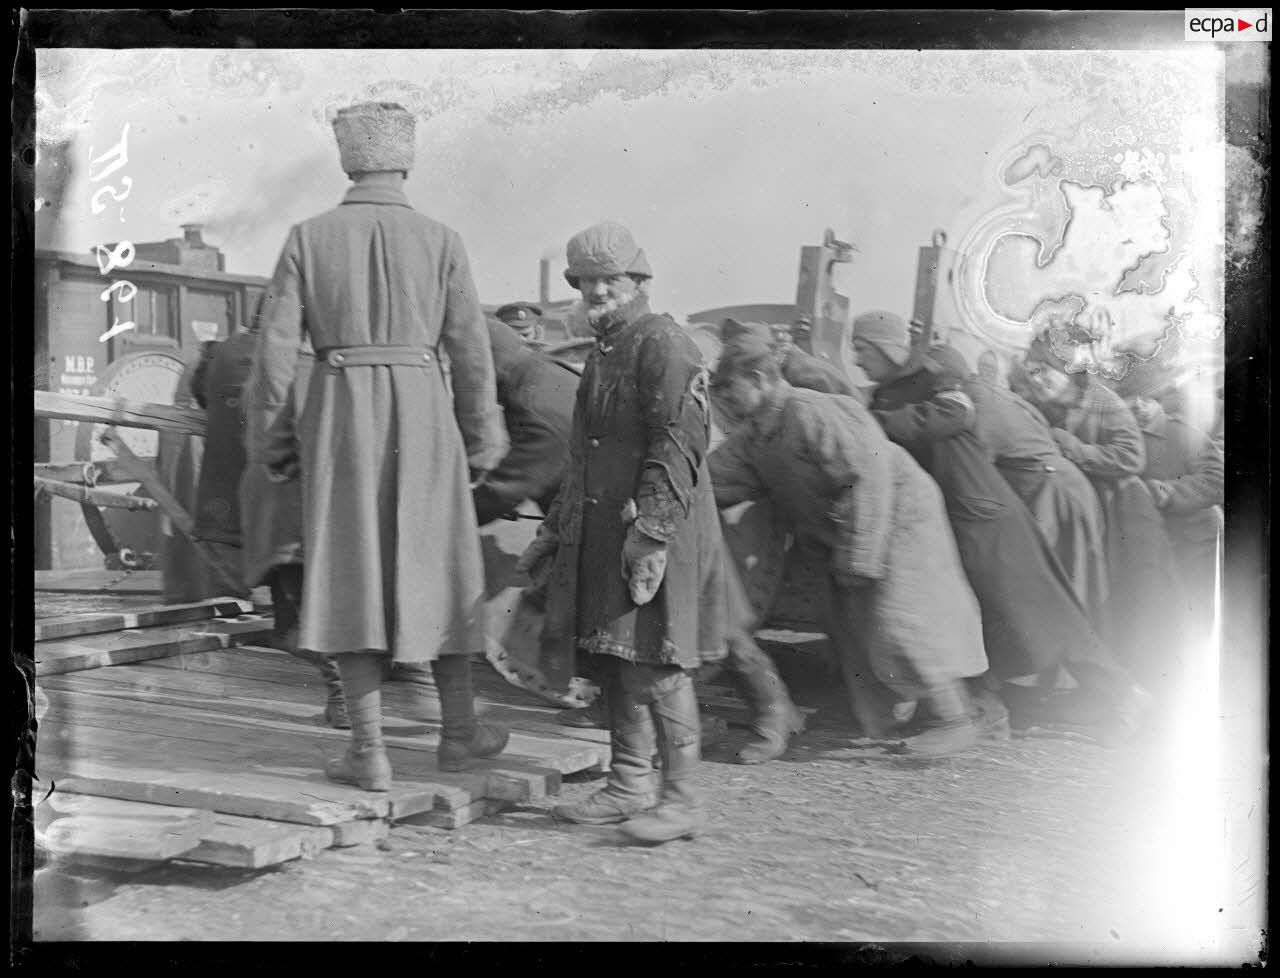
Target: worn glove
[644,562]
[538,556]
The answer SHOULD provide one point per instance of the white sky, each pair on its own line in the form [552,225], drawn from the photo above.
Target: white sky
[723,163]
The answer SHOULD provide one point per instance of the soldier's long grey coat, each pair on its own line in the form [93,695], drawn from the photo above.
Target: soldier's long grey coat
[392,552]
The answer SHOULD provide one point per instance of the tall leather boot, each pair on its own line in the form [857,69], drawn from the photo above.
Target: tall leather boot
[953,728]
[462,737]
[365,762]
[286,600]
[774,718]
[424,698]
[631,785]
[679,814]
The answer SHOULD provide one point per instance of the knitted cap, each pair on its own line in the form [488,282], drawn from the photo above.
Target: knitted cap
[374,136]
[603,250]
[887,332]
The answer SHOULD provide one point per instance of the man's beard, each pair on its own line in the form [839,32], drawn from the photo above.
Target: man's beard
[600,314]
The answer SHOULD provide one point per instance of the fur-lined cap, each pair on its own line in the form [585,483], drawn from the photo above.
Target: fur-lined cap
[375,136]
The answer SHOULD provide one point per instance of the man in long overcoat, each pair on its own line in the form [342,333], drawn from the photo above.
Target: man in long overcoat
[385,444]
[898,599]
[1032,622]
[1059,496]
[630,554]
[1185,473]
[1146,616]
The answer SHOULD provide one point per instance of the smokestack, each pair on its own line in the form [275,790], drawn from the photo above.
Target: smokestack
[191,233]
[544,281]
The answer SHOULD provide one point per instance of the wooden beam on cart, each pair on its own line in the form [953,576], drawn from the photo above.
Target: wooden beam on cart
[100,472]
[96,497]
[170,507]
[118,411]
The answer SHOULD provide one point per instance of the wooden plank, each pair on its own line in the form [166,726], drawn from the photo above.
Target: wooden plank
[458,818]
[118,411]
[252,843]
[100,472]
[502,778]
[309,801]
[419,785]
[546,748]
[48,604]
[97,497]
[362,833]
[113,829]
[173,614]
[57,658]
[114,582]
[112,737]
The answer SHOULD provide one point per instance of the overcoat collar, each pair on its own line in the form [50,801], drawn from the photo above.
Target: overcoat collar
[374,194]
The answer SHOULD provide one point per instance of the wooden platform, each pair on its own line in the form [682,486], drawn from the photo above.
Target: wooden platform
[170,734]
[238,733]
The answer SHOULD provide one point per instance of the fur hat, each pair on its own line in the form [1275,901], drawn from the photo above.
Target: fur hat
[730,328]
[602,250]
[374,136]
[887,332]
[745,351]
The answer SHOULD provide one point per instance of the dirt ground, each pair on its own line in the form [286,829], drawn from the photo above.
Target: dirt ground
[1048,839]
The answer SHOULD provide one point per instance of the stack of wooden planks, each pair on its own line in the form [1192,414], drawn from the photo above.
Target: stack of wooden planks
[215,756]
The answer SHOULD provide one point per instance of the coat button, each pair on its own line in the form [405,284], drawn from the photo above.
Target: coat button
[591,500]
[426,358]
[595,442]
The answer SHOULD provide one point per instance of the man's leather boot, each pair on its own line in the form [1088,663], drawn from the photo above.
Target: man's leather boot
[335,707]
[462,737]
[365,762]
[952,728]
[678,815]
[774,717]
[286,600]
[631,786]
[416,679]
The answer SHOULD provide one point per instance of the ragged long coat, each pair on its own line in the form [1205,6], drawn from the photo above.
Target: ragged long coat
[1059,496]
[1031,619]
[868,508]
[640,432]
[1147,611]
[392,553]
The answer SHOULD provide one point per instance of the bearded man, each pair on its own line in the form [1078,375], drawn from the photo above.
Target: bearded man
[630,555]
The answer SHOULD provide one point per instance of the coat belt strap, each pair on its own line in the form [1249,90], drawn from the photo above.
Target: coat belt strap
[341,357]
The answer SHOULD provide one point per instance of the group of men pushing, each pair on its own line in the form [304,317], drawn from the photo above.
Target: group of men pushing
[951,583]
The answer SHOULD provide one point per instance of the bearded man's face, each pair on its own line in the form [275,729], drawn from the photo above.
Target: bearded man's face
[606,294]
